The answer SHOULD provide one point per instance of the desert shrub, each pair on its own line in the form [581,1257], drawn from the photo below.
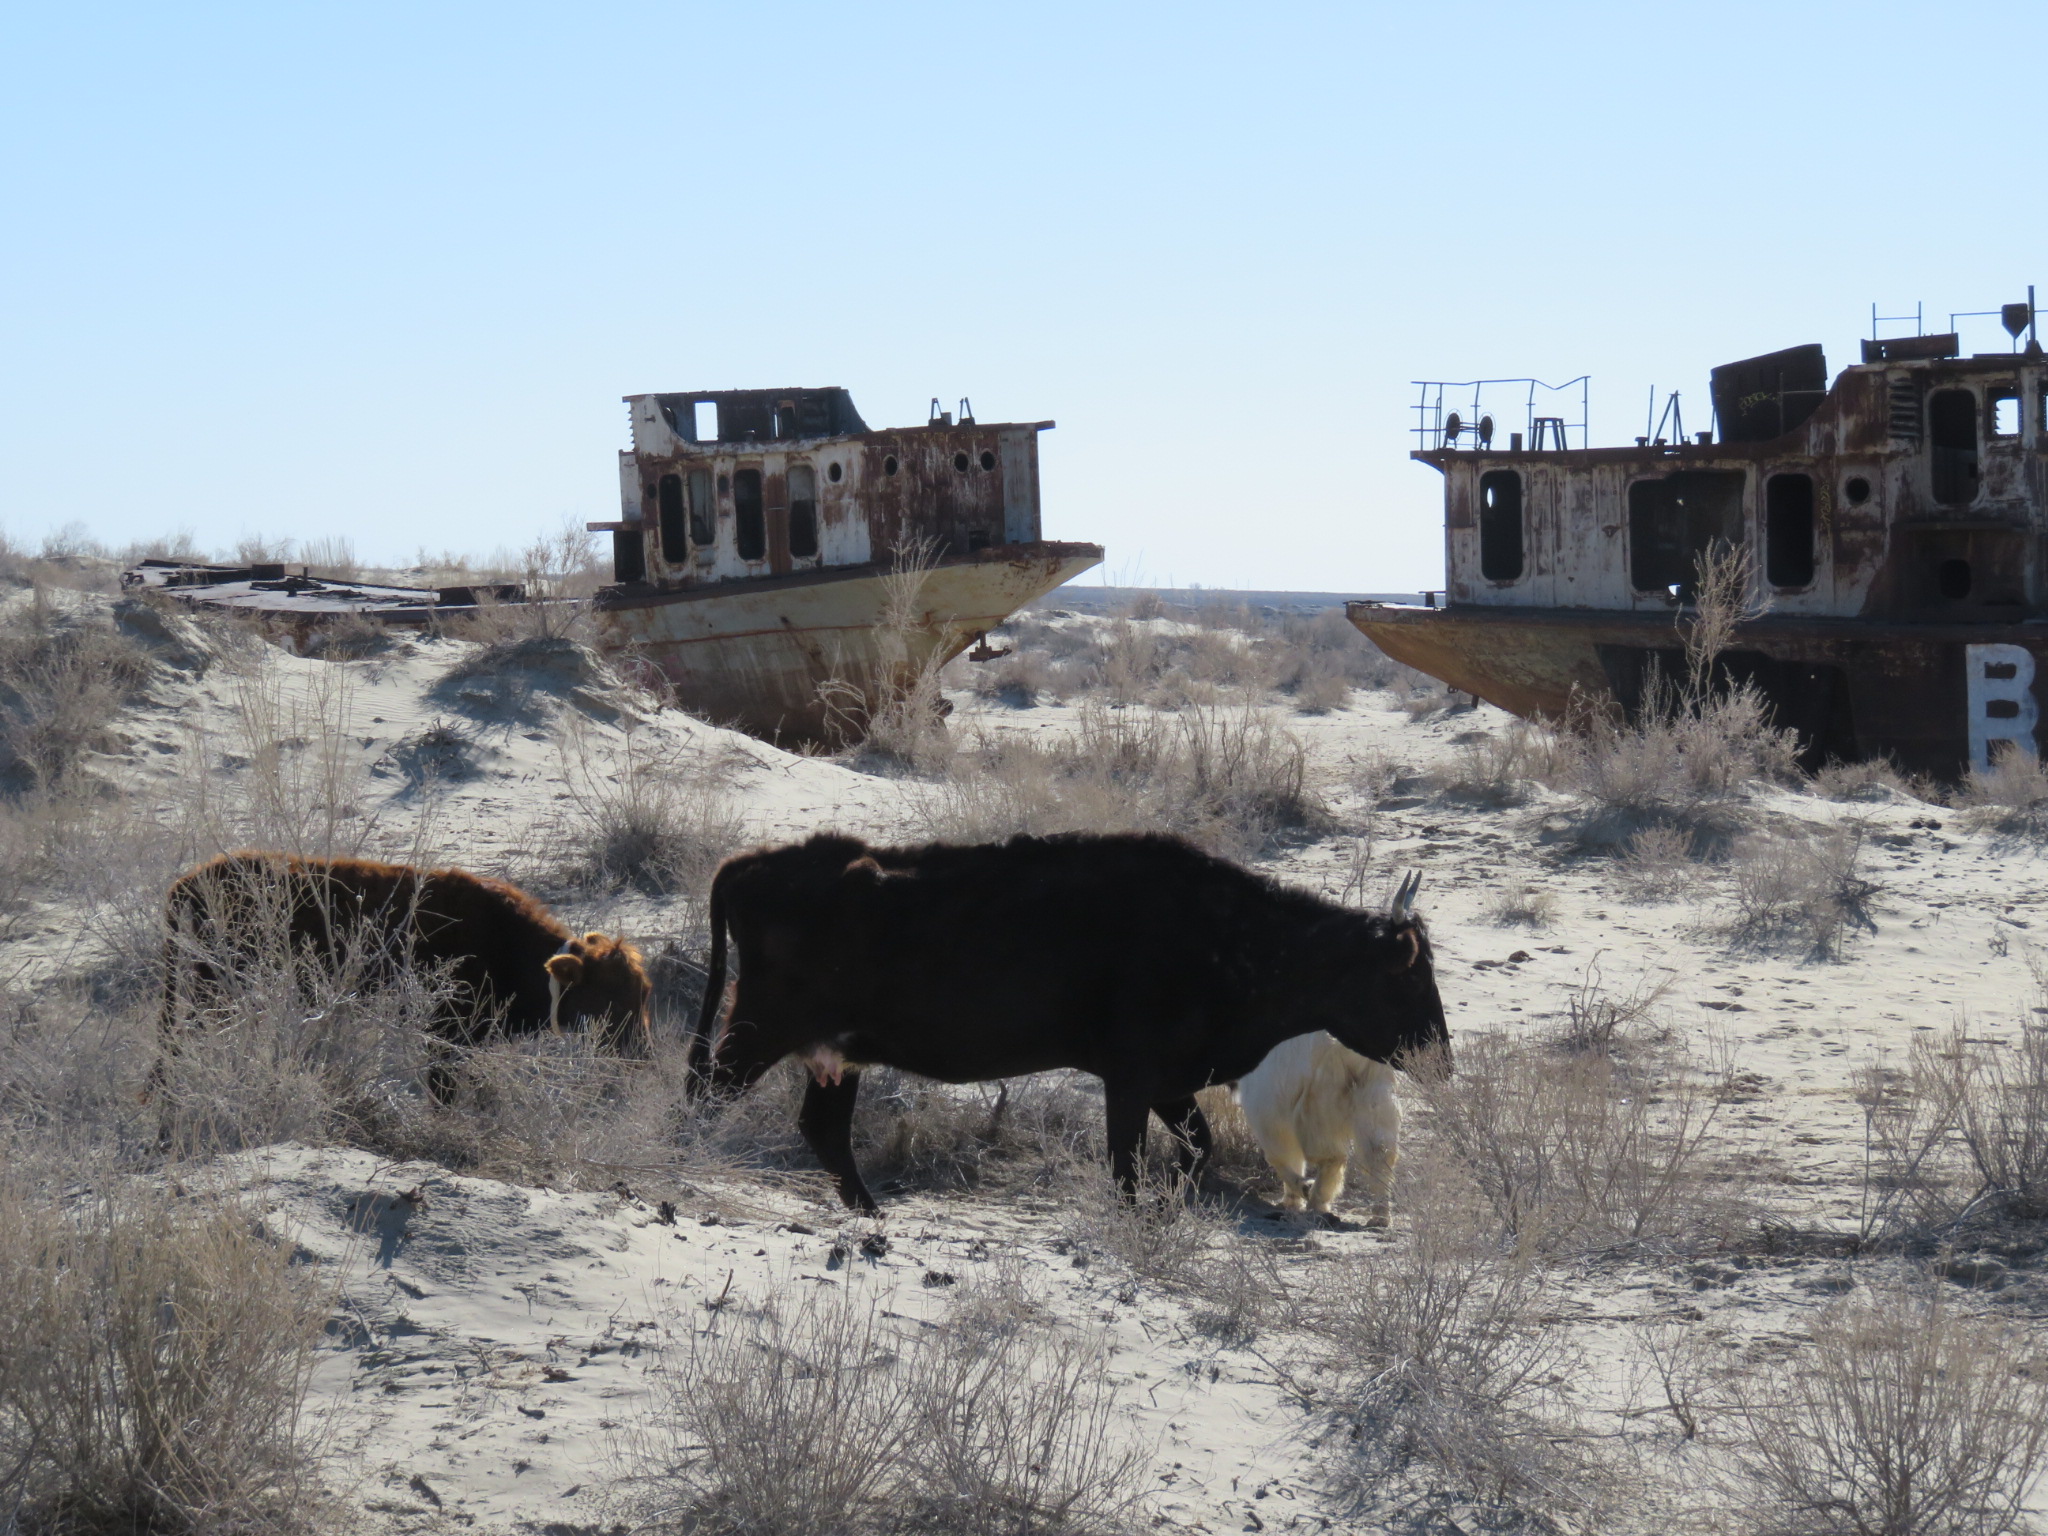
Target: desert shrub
[1597,1019]
[1678,764]
[154,1356]
[1874,779]
[1496,767]
[1959,1137]
[913,1133]
[1809,889]
[1522,903]
[1230,776]
[646,815]
[2011,798]
[813,1416]
[889,713]
[1901,1415]
[1438,1357]
[64,673]
[1655,864]
[1579,1150]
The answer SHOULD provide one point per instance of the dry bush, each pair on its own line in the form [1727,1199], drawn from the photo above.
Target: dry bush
[1809,890]
[72,1074]
[1497,767]
[65,672]
[895,717]
[1655,864]
[1578,1151]
[642,816]
[1679,765]
[1958,1138]
[1521,903]
[1876,779]
[293,775]
[155,1352]
[1903,1415]
[1438,1357]
[814,1418]
[2012,798]
[1596,1019]
[1015,680]
[1034,1132]
[1231,777]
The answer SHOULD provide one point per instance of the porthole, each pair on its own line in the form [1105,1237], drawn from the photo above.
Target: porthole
[988,460]
[832,471]
[889,465]
[1856,489]
[960,462]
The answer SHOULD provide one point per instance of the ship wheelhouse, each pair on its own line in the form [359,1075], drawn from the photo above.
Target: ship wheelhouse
[1894,517]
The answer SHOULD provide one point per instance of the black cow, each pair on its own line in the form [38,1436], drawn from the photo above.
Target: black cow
[1140,959]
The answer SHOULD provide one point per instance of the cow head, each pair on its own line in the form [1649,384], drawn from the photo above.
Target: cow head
[599,983]
[1402,1017]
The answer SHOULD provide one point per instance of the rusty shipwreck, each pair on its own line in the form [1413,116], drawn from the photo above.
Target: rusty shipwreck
[786,566]
[1896,518]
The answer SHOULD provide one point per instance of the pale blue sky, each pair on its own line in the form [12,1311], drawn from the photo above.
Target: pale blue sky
[384,270]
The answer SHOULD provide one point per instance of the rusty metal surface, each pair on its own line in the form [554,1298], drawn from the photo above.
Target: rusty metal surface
[1915,535]
[754,654]
[756,528]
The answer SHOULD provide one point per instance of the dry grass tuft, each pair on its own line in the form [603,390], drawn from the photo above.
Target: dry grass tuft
[815,1418]
[1582,1150]
[1901,1415]
[2012,798]
[65,671]
[1438,1359]
[1810,890]
[1231,777]
[638,817]
[154,1356]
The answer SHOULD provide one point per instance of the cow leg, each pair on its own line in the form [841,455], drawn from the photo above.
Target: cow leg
[826,1121]
[1193,1141]
[1127,1113]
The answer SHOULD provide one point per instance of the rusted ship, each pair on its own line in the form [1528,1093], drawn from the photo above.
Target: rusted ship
[786,567]
[1895,516]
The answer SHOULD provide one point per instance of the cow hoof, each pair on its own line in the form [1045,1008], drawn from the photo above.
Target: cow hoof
[1378,1221]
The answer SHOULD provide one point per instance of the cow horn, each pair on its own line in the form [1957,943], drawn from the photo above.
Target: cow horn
[1404,897]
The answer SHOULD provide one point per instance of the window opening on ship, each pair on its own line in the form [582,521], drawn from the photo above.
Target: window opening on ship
[988,460]
[1952,579]
[889,465]
[703,515]
[629,555]
[1671,523]
[2005,413]
[675,533]
[1500,525]
[960,462]
[1788,531]
[1952,444]
[750,527]
[1856,490]
[803,512]
[833,471]
[704,420]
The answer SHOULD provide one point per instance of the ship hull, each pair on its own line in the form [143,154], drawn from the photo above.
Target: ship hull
[1929,696]
[796,659]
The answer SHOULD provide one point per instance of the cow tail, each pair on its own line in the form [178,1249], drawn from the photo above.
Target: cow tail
[714,986]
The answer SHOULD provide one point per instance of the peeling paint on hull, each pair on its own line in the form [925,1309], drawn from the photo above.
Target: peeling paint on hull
[753,654]
[1851,687]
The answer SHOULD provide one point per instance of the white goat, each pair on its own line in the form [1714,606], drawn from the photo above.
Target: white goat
[1306,1103]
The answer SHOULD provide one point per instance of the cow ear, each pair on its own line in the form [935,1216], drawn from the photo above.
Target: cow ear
[567,969]
[595,940]
[1410,950]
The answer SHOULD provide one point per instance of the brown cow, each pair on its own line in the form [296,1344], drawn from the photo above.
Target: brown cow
[510,963]
[1140,959]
